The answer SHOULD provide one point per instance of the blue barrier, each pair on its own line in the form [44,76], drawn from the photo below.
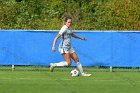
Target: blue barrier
[22,47]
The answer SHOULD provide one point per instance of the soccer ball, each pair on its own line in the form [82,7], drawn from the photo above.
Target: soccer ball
[74,73]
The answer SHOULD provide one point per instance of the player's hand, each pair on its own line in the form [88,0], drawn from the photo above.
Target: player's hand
[83,39]
[53,49]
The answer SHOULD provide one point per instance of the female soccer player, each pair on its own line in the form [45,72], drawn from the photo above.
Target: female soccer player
[65,48]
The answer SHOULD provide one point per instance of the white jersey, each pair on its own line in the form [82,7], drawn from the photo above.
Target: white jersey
[65,44]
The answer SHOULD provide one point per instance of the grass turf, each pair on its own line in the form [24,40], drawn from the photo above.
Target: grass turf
[60,81]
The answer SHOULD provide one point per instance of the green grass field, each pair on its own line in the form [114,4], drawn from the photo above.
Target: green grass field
[60,81]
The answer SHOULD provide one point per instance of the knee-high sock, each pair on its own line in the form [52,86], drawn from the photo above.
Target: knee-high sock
[80,68]
[62,63]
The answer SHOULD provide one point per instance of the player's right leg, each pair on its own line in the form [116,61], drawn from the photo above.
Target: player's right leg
[67,62]
[59,64]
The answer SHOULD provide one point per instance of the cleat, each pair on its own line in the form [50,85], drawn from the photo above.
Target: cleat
[52,67]
[87,75]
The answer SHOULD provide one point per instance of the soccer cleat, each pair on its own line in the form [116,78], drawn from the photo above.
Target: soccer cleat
[87,75]
[51,67]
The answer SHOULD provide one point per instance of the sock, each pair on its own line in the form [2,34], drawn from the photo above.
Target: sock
[63,63]
[80,68]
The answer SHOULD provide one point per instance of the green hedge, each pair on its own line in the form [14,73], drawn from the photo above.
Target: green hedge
[86,14]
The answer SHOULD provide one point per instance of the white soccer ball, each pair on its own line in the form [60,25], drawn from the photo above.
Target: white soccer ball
[74,73]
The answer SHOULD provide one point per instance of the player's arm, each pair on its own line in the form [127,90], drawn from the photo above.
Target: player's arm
[75,36]
[54,42]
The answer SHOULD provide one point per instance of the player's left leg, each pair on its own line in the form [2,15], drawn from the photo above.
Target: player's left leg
[79,66]
[75,58]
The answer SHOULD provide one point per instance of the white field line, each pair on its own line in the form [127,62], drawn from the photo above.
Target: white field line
[63,79]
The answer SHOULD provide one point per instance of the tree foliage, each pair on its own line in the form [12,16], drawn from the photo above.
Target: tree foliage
[86,14]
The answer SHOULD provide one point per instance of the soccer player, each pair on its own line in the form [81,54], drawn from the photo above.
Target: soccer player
[65,48]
